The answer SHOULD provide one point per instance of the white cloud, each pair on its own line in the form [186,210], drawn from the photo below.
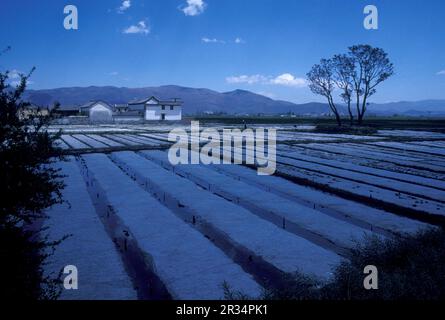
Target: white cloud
[194,7]
[124,6]
[114,73]
[140,28]
[213,40]
[285,79]
[256,78]
[441,73]
[239,41]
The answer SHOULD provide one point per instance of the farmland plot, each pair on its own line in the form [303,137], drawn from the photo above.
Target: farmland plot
[101,271]
[194,227]
[375,151]
[267,246]
[122,139]
[427,158]
[61,144]
[157,136]
[352,212]
[154,140]
[434,144]
[105,140]
[417,191]
[411,133]
[399,160]
[362,161]
[259,200]
[90,141]
[130,138]
[297,136]
[371,188]
[431,184]
[436,160]
[145,140]
[409,147]
[324,136]
[178,252]
[388,196]
[72,129]
[74,143]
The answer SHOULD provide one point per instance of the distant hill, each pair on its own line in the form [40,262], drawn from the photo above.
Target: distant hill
[410,108]
[200,100]
[195,100]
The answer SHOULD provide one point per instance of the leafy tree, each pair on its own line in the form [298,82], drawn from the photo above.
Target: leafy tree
[372,67]
[356,73]
[322,82]
[28,185]
[343,68]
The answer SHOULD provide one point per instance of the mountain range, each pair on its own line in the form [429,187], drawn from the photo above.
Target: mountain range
[201,100]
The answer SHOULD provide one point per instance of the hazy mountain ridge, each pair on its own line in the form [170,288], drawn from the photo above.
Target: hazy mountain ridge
[206,100]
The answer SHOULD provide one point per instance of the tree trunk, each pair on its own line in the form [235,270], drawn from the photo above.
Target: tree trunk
[358,104]
[351,116]
[362,113]
[338,119]
[334,110]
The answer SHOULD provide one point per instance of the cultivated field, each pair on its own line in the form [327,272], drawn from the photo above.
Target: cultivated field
[142,228]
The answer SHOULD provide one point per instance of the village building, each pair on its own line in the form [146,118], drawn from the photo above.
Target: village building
[32,111]
[156,109]
[120,108]
[97,111]
[150,109]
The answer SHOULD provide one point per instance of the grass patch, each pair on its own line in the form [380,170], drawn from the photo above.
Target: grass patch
[409,268]
[412,268]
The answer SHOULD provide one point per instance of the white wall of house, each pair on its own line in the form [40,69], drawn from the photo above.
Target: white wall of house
[156,112]
[99,112]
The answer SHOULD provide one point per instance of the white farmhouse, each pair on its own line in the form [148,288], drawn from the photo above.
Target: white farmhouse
[97,111]
[156,109]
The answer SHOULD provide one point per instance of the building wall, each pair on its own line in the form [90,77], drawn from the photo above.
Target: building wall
[100,113]
[154,112]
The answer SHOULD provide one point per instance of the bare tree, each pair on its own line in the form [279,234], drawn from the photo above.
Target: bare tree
[372,67]
[343,68]
[322,82]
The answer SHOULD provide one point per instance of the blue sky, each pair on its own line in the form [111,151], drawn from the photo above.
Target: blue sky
[265,46]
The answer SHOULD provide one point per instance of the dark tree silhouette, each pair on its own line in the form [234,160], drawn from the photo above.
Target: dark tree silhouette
[357,73]
[372,67]
[322,82]
[28,185]
[343,68]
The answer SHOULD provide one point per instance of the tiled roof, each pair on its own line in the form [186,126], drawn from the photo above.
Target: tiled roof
[91,103]
[173,102]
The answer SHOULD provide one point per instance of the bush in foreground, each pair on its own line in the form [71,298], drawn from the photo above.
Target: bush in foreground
[28,185]
[409,268]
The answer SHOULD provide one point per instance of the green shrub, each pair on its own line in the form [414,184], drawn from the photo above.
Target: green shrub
[408,268]
[28,185]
